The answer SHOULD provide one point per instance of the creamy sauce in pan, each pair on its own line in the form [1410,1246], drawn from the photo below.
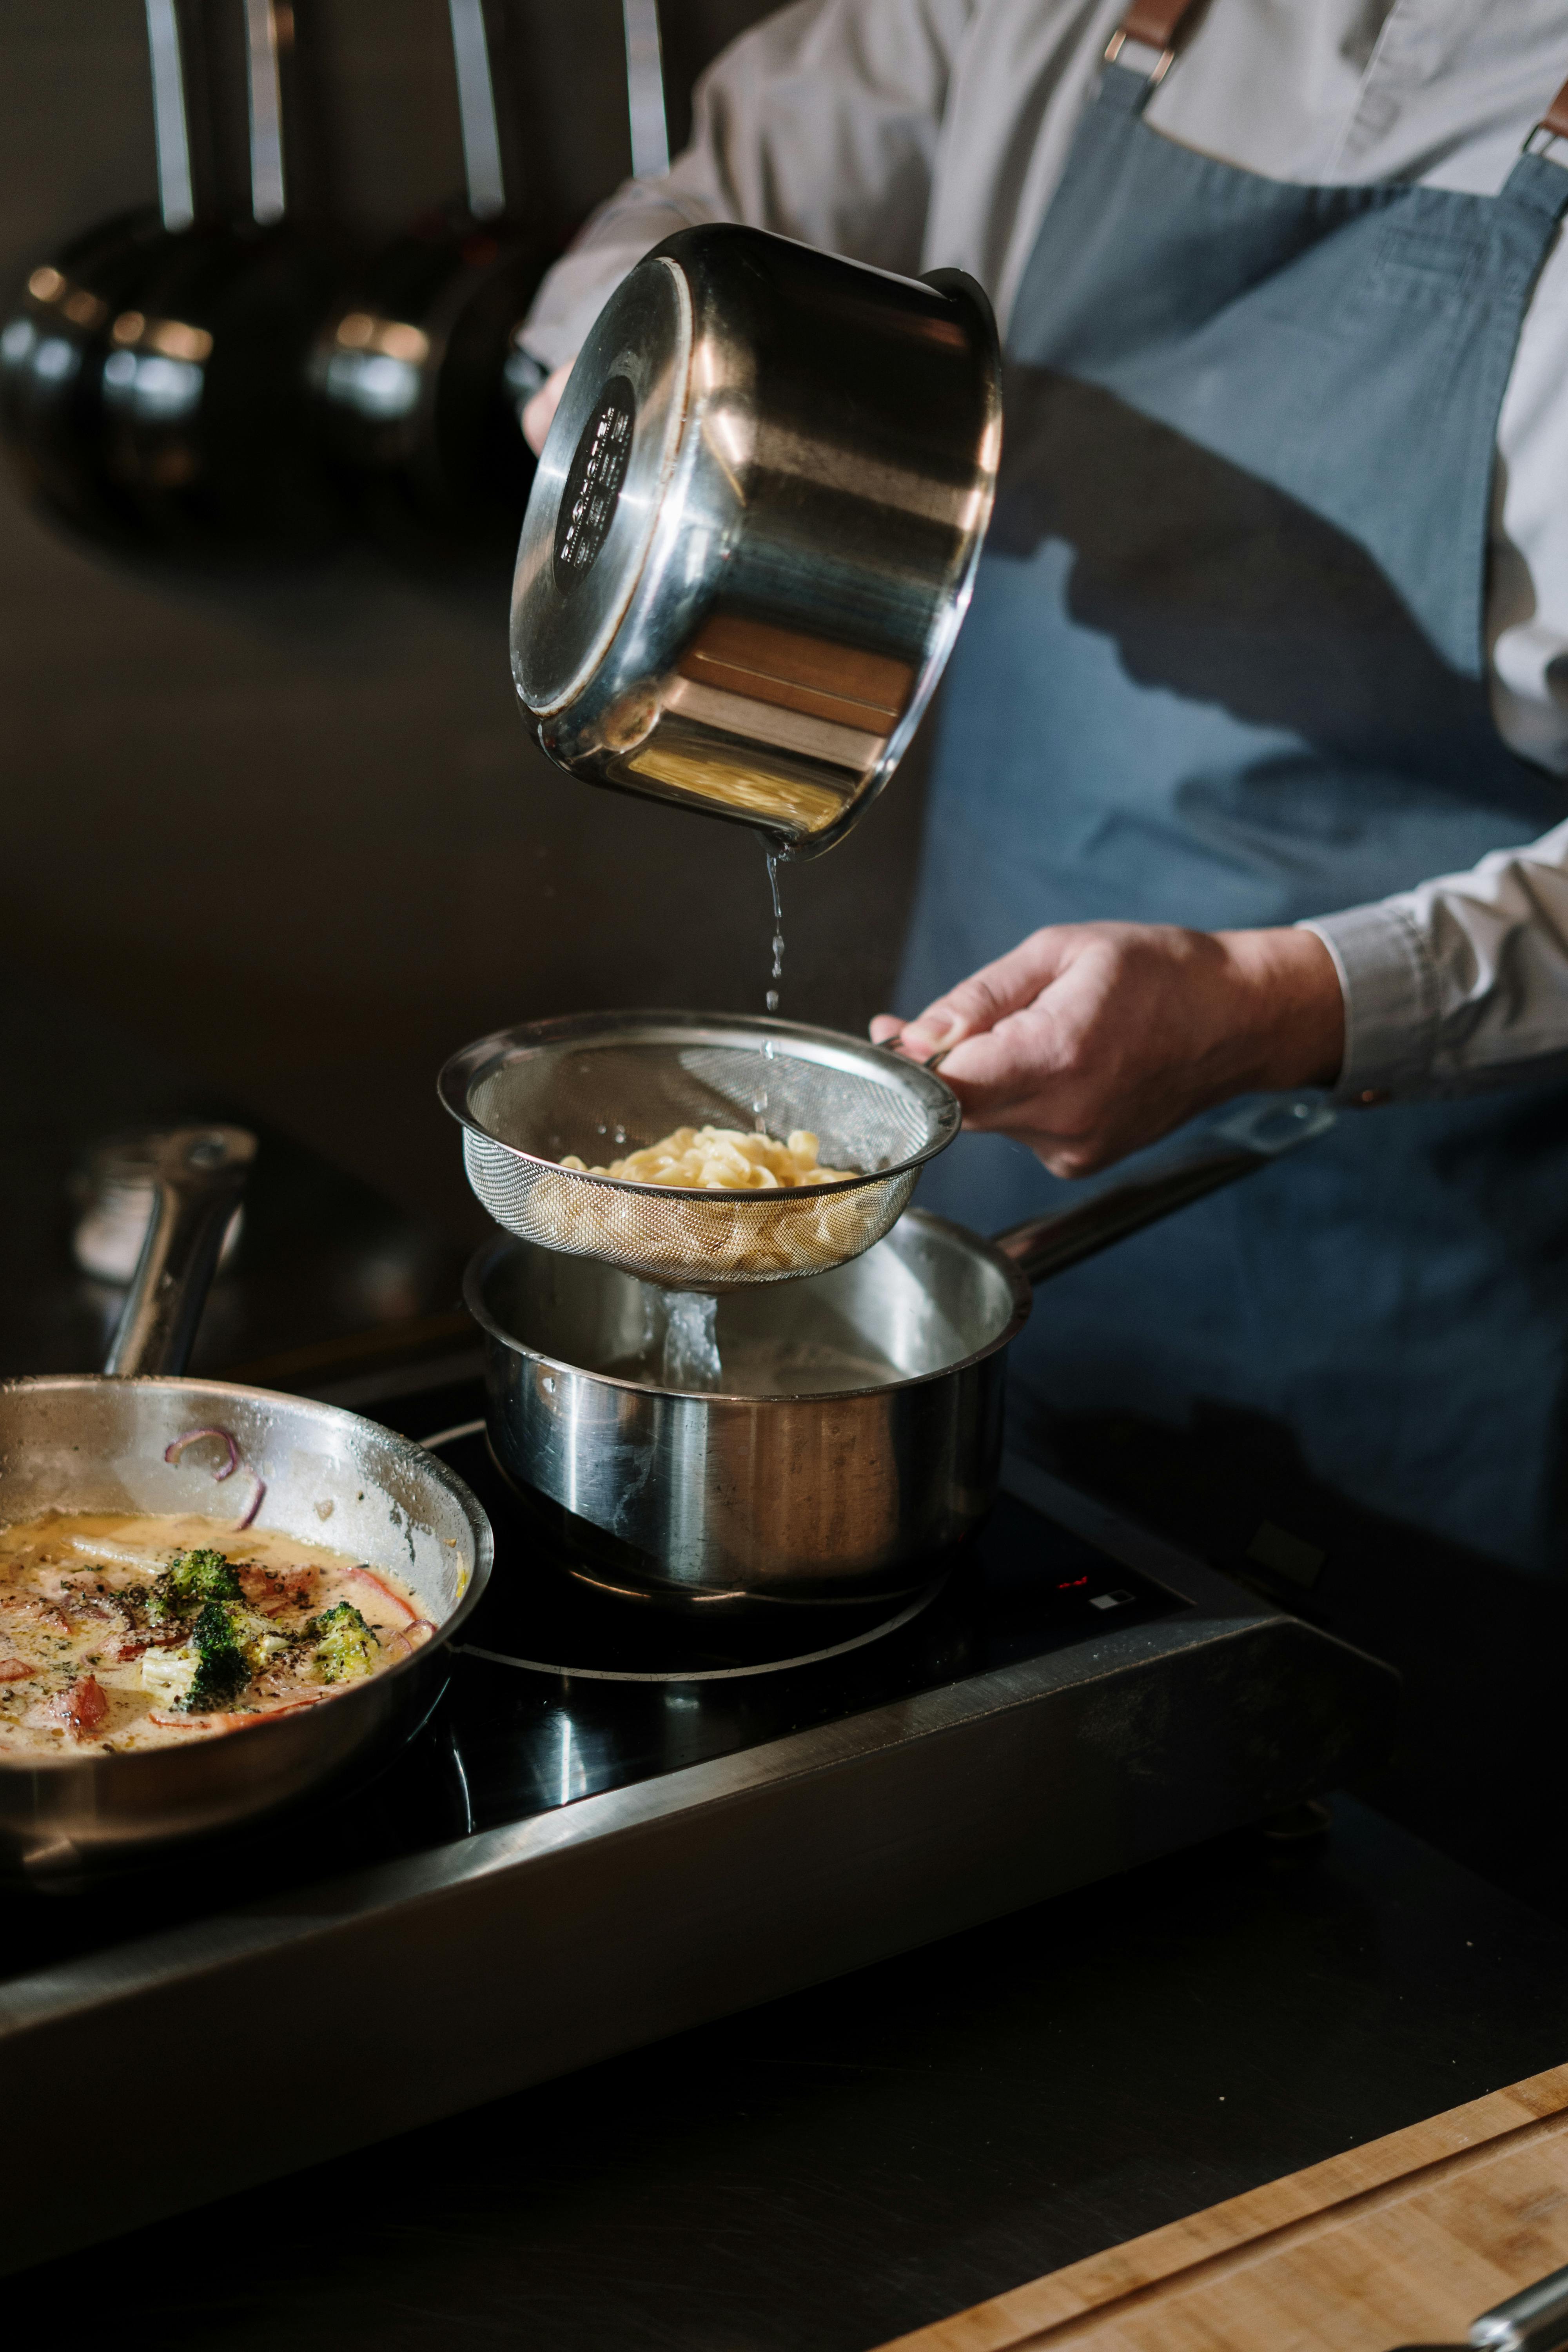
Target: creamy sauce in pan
[127,1630]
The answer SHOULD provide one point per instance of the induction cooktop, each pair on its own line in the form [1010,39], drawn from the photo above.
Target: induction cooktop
[617,1823]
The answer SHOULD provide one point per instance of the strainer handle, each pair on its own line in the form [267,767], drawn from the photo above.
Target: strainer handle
[199,1174]
[1238,1146]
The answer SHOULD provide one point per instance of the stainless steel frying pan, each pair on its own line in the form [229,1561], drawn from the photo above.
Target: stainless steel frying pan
[102,1443]
[857,1425]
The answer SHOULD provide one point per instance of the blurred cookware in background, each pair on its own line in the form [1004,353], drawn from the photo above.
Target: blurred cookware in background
[151,387]
[114,1191]
[409,374]
[103,1443]
[54,350]
[648,140]
[754,529]
[207,424]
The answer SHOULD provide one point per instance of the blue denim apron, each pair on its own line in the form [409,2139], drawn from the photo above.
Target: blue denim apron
[1226,666]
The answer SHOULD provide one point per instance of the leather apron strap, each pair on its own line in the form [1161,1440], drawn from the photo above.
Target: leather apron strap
[1155,25]
[1554,121]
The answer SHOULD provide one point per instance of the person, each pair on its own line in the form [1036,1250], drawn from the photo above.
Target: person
[1249,766]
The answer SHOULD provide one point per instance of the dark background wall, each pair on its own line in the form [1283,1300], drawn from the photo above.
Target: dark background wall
[291,829]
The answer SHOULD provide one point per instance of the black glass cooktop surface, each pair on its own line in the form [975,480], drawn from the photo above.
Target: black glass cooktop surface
[559,1691]
[646,1691]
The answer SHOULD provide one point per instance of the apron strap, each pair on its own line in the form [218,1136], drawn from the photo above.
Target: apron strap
[1156,25]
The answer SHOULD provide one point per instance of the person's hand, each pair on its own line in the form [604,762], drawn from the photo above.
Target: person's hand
[1093,1039]
[539,412]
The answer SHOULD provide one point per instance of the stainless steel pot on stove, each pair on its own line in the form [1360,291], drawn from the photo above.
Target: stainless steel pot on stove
[859,1427]
[754,529]
[98,1443]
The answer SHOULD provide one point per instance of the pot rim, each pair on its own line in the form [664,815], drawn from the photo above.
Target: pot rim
[479,1266]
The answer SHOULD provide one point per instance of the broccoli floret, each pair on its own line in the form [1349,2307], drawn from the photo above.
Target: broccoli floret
[210,1669]
[191,1579]
[345,1646]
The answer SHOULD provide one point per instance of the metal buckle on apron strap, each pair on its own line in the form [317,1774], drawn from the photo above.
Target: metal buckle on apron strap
[1151,29]
[1553,125]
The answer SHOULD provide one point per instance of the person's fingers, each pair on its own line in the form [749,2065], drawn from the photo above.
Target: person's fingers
[987,996]
[540,414]
[1023,1063]
[884,1028]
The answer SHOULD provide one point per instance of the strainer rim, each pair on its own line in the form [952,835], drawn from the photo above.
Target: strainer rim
[463,1070]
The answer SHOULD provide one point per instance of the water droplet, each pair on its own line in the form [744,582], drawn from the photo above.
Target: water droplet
[777,944]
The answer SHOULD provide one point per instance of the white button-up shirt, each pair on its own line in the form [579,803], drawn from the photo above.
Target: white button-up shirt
[922,134]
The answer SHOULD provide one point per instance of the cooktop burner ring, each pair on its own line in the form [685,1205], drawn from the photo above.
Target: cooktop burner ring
[911,1609]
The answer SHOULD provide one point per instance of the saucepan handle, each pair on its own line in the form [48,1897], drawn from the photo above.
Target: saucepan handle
[1237,1146]
[199,1175]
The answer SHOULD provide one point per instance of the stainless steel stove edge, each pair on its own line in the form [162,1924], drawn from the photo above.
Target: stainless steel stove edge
[553,1943]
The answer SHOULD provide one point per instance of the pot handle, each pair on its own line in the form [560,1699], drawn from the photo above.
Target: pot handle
[1238,1146]
[645,90]
[176,197]
[264,85]
[199,1174]
[482,170]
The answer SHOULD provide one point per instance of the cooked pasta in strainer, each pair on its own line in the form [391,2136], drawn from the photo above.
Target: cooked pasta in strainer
[723,1160]
[709,1206]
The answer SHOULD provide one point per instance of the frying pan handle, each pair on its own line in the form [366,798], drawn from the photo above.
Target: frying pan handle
[477,109]
[645,109]
[199,1173]
[1237,1146]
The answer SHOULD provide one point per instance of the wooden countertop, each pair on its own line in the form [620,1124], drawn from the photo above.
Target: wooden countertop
[1403,2242]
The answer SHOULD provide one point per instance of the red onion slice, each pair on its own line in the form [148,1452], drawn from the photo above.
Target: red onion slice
[171,1452]
[256,1501]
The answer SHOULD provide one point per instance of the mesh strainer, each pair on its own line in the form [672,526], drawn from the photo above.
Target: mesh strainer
[601,1085]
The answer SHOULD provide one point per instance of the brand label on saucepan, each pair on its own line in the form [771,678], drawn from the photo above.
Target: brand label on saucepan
[594,484]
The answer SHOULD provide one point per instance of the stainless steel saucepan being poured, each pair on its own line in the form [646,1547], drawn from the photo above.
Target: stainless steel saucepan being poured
[855,1429]
[104,1442]
[754,529]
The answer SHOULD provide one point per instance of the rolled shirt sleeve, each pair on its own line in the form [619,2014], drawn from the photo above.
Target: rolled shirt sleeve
[1460,984]
[821,123]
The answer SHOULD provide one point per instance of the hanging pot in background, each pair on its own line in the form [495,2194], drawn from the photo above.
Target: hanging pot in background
[55,347]
[152,385]
[408,374]
[206,421]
